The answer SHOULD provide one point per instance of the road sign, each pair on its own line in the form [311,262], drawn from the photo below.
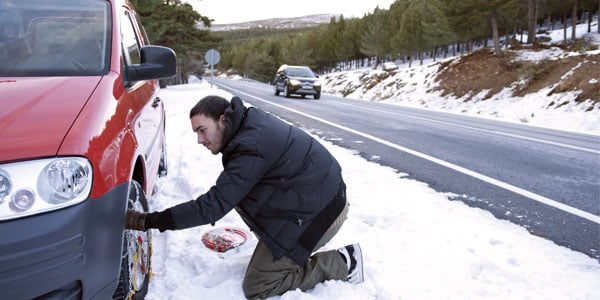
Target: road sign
[212,56]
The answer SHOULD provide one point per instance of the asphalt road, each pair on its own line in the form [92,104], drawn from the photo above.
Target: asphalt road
[547,181]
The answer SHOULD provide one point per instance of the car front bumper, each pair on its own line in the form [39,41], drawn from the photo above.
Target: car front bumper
[304,91]
[72,253]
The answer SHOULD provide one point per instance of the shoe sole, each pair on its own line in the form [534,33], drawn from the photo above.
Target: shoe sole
[359,277]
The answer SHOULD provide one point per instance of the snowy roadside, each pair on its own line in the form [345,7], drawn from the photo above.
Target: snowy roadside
[417,244]
[414,87]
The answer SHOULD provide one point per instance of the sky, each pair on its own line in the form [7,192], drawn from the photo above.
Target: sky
[236,11]
[417,244]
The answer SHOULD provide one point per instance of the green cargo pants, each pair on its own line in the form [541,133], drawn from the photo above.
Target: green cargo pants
[266,277]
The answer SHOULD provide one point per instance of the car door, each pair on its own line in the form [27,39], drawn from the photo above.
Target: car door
[149,118]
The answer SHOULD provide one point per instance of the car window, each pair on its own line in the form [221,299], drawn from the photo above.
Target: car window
[140,26]
[130,43]
[300,72]
[58,38]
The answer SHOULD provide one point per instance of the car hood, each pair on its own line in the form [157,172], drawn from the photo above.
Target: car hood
[312,79]
[37,113]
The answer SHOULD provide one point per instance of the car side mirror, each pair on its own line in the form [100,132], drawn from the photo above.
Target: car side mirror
[156,62]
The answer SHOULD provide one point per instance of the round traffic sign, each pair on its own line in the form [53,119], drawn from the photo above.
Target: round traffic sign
[212,56]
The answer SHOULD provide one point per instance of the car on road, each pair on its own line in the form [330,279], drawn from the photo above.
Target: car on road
[299,80]
[82,130]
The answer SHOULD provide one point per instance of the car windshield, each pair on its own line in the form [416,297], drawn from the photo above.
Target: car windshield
[54,38]
[300,72]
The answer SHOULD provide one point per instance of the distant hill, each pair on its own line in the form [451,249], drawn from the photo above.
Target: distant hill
[276,23]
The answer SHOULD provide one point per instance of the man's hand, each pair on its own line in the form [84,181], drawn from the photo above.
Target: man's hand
[143,221]
[135,220]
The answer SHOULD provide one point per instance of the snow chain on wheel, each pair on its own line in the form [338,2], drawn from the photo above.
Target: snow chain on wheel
[137,252]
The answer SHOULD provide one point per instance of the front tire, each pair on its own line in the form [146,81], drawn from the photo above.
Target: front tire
[137,251]
[286,91]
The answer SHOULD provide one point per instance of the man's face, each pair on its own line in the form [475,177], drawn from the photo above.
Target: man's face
[210,132]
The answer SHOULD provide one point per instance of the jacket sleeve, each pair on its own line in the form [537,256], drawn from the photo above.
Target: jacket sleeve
[240,174]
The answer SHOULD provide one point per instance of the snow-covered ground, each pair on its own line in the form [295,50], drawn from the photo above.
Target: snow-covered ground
[417,244]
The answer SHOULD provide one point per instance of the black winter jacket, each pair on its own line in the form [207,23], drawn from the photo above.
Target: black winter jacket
[276,176]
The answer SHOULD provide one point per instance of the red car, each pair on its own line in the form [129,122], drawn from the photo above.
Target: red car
[82,140]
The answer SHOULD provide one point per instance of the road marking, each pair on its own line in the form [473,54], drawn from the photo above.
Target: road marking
[498,183]
[517,136]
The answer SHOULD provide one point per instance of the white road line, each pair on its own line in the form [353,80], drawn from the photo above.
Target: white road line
[517,136]
[498,183]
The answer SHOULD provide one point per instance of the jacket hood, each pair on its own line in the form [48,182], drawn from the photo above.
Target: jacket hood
[234,115]
[37,113]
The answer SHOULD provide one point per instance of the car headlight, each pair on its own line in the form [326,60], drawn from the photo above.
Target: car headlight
[317,83]
[33,187]
[295,82]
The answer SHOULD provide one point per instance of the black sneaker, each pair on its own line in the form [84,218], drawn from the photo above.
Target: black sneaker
[352,254]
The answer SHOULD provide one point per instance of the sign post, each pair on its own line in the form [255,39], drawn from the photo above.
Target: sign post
[212,57]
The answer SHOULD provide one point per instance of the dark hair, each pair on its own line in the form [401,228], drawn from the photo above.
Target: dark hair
[210,106]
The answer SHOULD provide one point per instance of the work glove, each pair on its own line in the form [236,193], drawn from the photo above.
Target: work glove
[143,221]
[135,220]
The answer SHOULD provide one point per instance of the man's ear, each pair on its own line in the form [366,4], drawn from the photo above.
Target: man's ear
[222,120]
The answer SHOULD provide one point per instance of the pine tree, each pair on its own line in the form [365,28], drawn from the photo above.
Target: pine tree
[436,28]
[173,24]
[373,40]
[410,38]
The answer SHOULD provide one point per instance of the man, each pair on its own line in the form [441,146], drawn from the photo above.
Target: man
[286,187]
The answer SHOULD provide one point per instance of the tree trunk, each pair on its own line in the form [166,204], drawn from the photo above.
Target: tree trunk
[532,21]
[565,26]
[521,36]
[497,48]
[574,22]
